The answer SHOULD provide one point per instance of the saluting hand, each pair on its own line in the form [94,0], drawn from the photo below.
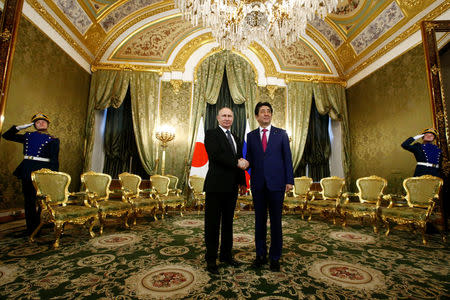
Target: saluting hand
[418,136]
[20,127]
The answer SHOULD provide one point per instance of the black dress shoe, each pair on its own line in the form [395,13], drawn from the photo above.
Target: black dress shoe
[230,262]
[212,268]
[275,265]
[259,262]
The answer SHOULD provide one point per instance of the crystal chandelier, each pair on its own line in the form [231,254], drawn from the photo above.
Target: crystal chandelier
[237,23]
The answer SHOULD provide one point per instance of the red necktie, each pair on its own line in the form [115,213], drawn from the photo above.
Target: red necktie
[264,139]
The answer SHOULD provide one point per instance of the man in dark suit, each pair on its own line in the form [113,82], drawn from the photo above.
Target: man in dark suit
[40,150]
[269,157]
[225,176]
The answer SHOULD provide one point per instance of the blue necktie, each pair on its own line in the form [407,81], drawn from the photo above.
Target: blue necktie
[230,140]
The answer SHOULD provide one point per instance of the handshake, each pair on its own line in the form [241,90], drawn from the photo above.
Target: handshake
[242,163]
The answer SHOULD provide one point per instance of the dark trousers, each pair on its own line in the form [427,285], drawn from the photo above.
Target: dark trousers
[272,200]
[219,210]
[32,214]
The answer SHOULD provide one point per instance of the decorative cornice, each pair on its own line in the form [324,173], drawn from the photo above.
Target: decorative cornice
[315,78]
[128,67]
[400,38]
[56,26]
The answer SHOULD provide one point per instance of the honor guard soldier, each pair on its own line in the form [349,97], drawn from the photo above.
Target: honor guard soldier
[427,154]
[40,150]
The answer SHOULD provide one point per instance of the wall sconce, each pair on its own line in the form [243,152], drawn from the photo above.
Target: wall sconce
[165,134]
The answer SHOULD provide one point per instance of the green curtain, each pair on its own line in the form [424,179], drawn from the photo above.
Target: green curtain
[144,89]
[242,84]
[225,100]
[121,154]
[330,99]
[317,147]
[299,103]
[108,88]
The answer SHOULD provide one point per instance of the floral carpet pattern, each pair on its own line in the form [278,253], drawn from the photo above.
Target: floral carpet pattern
[164,260]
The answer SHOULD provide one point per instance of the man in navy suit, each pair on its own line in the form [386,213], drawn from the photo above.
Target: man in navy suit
[225,175]
[269,157]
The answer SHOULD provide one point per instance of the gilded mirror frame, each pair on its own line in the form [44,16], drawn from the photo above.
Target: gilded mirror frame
[437,97]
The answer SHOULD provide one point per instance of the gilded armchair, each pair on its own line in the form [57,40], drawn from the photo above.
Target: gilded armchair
[300,194]
[370,195]
[98,184]
[422,194]
[196,184]
[133,194]
[328,200]
[56,207]
[160,187]
[173,183]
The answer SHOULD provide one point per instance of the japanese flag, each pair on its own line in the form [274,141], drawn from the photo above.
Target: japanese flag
[199,165]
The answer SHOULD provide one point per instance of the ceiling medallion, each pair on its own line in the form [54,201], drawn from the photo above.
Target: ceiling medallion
[237,23]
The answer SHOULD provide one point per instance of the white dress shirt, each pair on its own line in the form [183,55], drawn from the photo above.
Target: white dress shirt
[267,132]
[232,137]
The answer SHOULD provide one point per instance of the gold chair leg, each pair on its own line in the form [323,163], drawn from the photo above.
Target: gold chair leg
[388,228]
[36,231]
[375,224]
[344,221]
[310,215]
[58,231]
[154,214]
[91,226]
[102,223]
[126,220]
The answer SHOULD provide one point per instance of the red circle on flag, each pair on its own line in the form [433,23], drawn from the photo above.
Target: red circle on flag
[200,157]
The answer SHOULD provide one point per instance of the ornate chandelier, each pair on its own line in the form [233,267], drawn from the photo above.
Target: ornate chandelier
[237,23]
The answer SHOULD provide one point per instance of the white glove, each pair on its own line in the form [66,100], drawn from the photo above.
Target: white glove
[24,126]
[418,136]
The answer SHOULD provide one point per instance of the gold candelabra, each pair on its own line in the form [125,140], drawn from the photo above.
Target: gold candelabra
[165,134]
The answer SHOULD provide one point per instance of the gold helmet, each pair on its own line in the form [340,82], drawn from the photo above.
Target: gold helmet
[430,130]
[39,116]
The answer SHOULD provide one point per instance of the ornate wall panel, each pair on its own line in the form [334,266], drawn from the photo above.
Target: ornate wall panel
[381,121]
[123,11]
[73,10]
[390,16]
[278,104]
[328,32]
[154,43]
[300,56]
[174,111]
[44,79]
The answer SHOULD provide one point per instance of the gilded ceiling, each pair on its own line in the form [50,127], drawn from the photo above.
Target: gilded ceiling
[150,32]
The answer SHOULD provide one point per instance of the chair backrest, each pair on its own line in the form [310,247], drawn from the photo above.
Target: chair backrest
[130,182]
[370,188]
[196,183]
[420,190]
[332,187]
[160,184]
[52,184]
[173,181]
[97,183]
[302,185]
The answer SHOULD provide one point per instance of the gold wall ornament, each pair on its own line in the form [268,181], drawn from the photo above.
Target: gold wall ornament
[6,35]
[271,89]
[187,50]
[176,85]
[315,78]
[347,55]
[264,57]
[126,24]
[94,37]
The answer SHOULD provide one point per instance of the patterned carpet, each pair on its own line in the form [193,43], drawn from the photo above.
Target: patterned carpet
[164,259]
